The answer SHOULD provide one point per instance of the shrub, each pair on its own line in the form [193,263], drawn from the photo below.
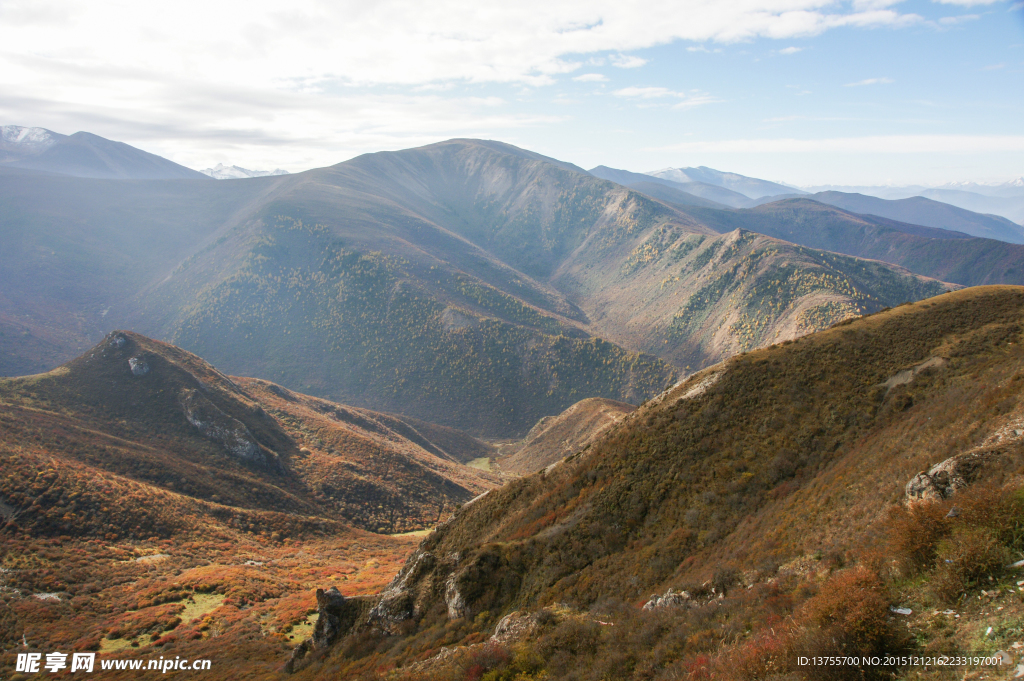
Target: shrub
[967,556]
[850,616]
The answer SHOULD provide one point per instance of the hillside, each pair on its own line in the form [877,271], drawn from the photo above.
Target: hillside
[151,413]
[467,283]
[556,437]
[767,495]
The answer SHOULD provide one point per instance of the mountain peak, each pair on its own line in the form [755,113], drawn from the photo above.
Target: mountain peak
[223,172]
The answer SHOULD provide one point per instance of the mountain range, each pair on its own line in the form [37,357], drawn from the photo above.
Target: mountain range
[1005,200]
[418,282]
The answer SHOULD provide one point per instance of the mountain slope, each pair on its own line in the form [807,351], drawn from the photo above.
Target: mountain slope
[85,155]
[556,437]
[750,473]
[150,505]
[147,412]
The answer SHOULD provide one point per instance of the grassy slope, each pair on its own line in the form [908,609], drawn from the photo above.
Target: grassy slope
[784,452]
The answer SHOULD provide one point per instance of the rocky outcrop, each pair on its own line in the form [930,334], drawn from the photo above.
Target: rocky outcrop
[514,627]
[397,602]
[943,480]
[221,428]
[335,617]
[453,598]
[669,599]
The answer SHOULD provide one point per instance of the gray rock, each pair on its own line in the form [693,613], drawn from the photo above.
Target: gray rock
[397,602]
[139,366]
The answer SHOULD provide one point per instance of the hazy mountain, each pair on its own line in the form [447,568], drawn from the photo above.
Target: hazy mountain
[1009,205]
[466,283]
[1010,188]
[84,155]
[750,187]
[693,193]
[223,172]
[921,211]
[767,489]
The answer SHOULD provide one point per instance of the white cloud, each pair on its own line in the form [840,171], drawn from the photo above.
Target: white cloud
[870,81]
[967,3]
[686,100]
[178,77]
[646,92]
[626,61]
[791,50]
[697,99]
[879,144]
[951,21]
[591,78]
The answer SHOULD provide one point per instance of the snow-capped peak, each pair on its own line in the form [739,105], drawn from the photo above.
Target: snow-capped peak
[27,139]
[223,172]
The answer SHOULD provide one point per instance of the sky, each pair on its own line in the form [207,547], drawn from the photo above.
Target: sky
[806,92]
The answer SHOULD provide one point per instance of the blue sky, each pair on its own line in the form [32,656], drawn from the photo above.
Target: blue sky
[802,91]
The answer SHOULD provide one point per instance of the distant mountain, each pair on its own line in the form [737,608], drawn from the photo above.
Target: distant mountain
[685,193]
[1010,188]
[84,155]
[1007,203]
[17,142]
[223,172]
[748,186]
[949,256]
[922,211]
